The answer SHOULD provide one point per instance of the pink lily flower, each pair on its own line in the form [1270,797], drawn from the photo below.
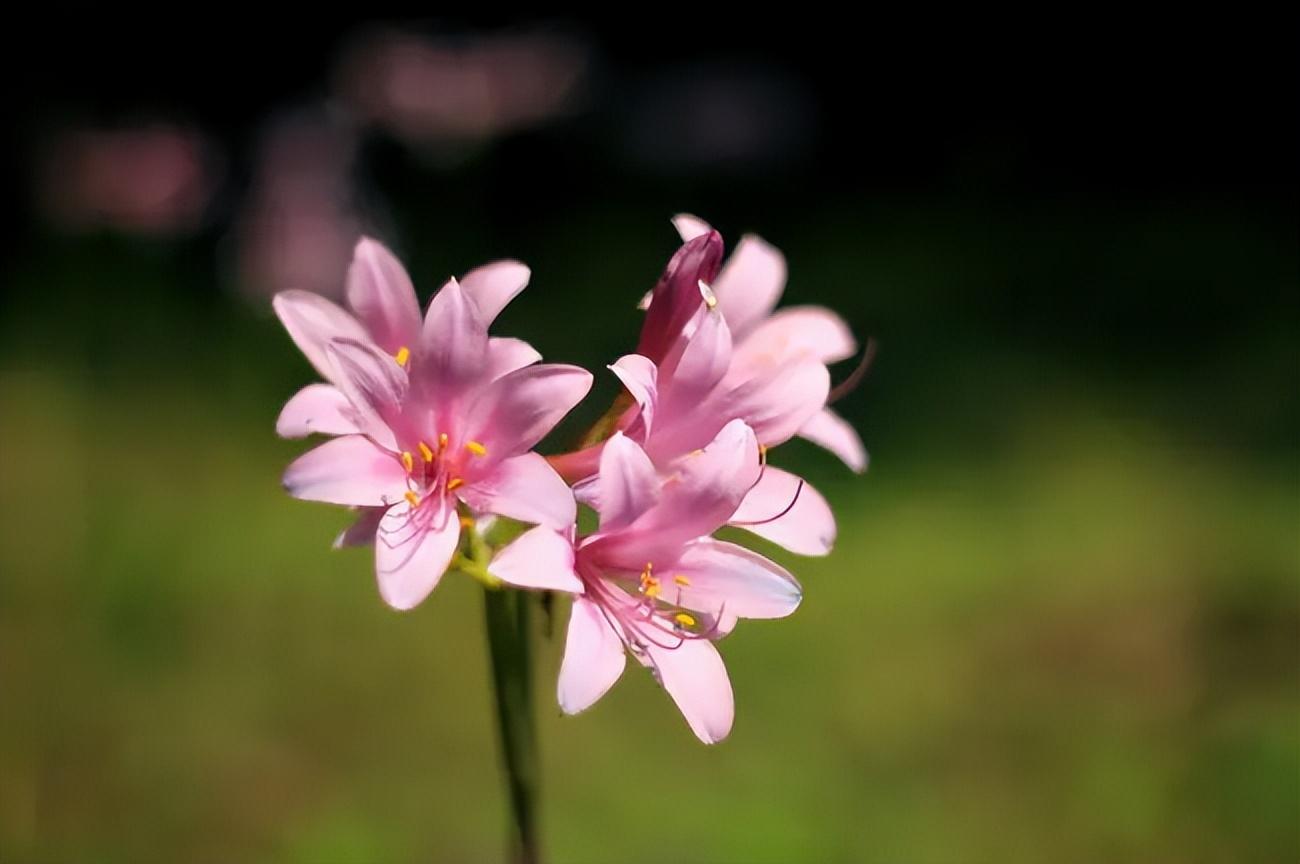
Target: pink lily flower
[385,313]
[652,582]
[430,428]
[747,291]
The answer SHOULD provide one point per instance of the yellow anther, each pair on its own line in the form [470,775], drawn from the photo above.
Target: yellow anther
[442,441]
[476,448]
[426,452]
[408,462]
[455,483]
[403,354]
[681,580]
[412,499]
[653,590]
[685,620]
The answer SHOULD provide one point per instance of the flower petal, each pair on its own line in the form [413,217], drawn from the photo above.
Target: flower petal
[348,470]
[523,487]
[696,678]
[750,284]
[627,483]
[312,321]
[413,548]
[374,385]
[830,430]
[697,364]
[541,558]
[593,658]
[517,410]
[690,227]
[796,333]
[779,402]
[723,577]
[382,296]
[677,294]
[639,376]
[316,409]
[494,285]
[362,531]
[788,511]
[507,355]
[454,341]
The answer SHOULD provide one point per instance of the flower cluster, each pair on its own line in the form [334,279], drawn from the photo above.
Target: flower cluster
[434,422]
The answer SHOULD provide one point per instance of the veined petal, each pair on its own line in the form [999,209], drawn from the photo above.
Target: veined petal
[796,333]
[723,577]
[494,285]
[627,483]
[788,511]
[517,410]
[312,321]
[690,227]
[374,384]
[362,530]
[382,296]
[750,284]
[506,355]
[320,409]
[413,548]
[454,341]
[541,559]
[348,470]
[830,430]
[523,487]
[696,678]
[593,658]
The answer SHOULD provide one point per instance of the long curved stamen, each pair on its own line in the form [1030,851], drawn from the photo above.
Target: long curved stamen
[797,492]
[849,384]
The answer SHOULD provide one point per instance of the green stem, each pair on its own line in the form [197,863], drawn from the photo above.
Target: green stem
[508,626]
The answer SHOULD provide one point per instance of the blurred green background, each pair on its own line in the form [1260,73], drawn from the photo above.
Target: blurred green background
[1062,621]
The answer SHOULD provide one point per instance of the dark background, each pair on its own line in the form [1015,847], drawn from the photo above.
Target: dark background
[1062,621]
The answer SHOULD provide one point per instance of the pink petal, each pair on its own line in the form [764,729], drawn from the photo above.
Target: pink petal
[312,321]
[788,511]
[579,464]
[796,333]
[541,559]
[696,678]
[507,355]
[700,495]
[750,284]
[639,376]
[517,410]
[830,430]
[523,487]
[348,470]
[454,341]
[697,364]
[690,227]
[374,385]
[676,296]
[362,531]
[316,409]
[382,296]
[494,285]
[726,578]
[593,658]
[413,549]
[779,402]
[627,483]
